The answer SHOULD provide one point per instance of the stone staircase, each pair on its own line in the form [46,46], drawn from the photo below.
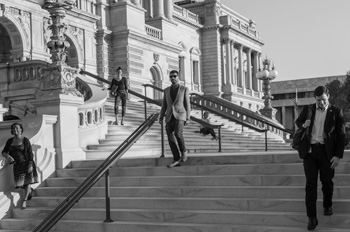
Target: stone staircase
[251,191]
[233,138]
[241,189]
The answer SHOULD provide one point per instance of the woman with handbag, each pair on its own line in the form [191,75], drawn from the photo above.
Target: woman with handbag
[119,89]
[18,151]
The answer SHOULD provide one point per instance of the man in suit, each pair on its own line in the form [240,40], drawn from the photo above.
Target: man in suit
[176,108]
[323,150]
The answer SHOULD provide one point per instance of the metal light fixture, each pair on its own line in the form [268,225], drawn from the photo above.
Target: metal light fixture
[267,75]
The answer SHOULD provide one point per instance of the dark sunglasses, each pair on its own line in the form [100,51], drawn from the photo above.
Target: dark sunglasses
[173,76]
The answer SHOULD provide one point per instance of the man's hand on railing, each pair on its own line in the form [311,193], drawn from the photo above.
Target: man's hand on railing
[161,121]
[187,122]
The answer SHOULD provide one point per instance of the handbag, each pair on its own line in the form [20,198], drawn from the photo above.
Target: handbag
[298,138]
[300,134]
[113,90]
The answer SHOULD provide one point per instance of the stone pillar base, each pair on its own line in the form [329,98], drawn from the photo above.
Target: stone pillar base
[230,88]
[66,128]
[270,113]
[2,112]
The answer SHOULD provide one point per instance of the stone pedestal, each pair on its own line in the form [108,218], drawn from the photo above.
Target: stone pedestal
[127,16]
[66,129]
[2,112]
[271,113]
[168,28]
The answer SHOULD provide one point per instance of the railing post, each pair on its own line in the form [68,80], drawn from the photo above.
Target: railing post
[265,139]
[108,194]
[219,132]
[162,138]
[145,102]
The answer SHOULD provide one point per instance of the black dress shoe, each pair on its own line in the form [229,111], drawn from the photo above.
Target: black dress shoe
[328,211]
[313,222]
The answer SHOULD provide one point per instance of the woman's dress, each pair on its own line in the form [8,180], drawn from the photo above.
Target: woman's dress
[20,167]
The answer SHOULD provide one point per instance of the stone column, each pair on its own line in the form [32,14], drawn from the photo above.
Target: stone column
[259,87]
[233,73]
[283,116]
[223,61]
[228,62]
[240,66]
[249,69]
[159,8]
[149,8]
[136,3]
[169,9]
[255,70]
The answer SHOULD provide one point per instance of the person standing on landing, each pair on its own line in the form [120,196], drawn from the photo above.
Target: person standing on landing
[177,111]
[325,148]
[119,88]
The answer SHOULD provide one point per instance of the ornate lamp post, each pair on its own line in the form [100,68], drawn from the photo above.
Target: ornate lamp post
[267,75]
[58,77]
[58,95]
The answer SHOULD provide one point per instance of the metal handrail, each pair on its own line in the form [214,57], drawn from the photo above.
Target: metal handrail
[242,111]
[244,124]
[93,177]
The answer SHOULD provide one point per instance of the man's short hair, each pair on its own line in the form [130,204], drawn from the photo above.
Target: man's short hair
[119,68]
[174,71]
[320,90]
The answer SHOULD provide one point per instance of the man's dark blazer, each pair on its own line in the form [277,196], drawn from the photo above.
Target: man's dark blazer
[333,133]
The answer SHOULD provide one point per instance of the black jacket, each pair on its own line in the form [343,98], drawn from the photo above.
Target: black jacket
[333,134]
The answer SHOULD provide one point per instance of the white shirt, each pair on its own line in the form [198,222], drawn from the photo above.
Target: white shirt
[318,127]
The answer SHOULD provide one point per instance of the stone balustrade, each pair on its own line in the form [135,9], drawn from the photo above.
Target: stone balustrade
[153,32]
[186,14]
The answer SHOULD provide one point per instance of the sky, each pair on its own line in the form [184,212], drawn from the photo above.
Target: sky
[304,38]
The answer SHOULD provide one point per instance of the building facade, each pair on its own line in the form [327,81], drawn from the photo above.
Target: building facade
[285,93]
[216,50]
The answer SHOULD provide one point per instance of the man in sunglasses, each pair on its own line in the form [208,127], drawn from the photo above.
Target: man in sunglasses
[177,109]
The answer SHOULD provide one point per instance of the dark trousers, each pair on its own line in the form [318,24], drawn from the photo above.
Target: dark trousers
[174,130]
[314,163]
[120,97]
[207,130]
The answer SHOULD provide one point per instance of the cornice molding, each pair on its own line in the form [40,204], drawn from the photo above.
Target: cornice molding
[187,22]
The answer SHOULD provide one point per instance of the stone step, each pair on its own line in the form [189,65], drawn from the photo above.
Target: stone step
[214,158]
[37,204]
[284,192]
[146,227]
[207,158]
[155,135]
[201,218]
[126,226]
[140,152]
[213,170]
[219,180]
[190,145]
